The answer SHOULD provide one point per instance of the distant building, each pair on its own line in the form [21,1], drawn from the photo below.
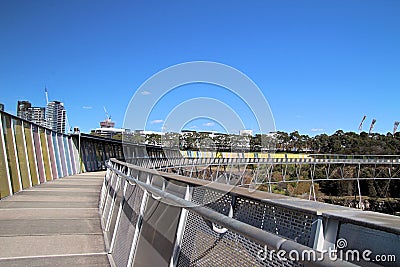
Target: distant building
[37,115]
[246,132]
[34,114]
[107,123]
[1,107]
[56,116]
[107,129]
[108,132]
[145,132]
[23,110]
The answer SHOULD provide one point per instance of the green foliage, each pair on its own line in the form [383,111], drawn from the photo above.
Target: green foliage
[153,139]
[346,143]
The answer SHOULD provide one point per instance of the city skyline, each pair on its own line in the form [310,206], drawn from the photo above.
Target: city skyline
[321,66]
[53,116]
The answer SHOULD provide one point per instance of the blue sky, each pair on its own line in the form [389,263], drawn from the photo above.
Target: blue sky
[321,65]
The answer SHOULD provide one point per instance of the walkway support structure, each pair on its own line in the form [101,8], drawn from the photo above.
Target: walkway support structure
[259,171]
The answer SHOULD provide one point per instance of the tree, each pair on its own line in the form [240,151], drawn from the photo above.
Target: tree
[282,140]
[222,142]
[153,139]
[171,140]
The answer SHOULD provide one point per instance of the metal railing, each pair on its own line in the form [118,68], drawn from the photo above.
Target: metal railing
[156,218]
[254,172]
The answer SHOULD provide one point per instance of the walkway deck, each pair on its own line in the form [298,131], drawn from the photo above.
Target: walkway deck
[54,224]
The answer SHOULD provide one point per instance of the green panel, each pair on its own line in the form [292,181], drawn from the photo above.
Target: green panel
[4,189]
[11,157]
[22,156]
[31,155]
[45,151]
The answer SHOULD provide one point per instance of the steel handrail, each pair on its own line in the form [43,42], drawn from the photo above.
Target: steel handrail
[255,234]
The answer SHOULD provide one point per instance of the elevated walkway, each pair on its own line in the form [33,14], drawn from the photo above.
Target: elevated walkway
[54,224]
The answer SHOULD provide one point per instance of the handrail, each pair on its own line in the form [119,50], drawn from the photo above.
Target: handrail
[255,234]
[385,224]
[384,160]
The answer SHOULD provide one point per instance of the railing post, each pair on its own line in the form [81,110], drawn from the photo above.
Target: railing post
[113,239]
[139,222]
[330,233]
[181,228]
[317,230]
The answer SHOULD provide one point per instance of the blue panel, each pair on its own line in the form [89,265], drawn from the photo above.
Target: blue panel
[57,155]
[62,154]
[67,155]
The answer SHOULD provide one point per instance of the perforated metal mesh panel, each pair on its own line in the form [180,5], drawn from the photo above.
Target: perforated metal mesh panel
[292,224]
[109,198]
[215,200]
[201,246]
[127,224]
[104,190]
[115,209]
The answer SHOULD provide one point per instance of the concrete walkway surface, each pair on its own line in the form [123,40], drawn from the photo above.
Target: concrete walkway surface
[54,224]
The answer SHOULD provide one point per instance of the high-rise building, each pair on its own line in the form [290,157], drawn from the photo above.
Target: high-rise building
[33,114]
[23,110]
[56,116]
[37,115]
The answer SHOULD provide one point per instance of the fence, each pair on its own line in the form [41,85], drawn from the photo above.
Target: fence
[152,218]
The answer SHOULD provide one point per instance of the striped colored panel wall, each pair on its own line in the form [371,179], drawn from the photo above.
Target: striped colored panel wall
[31,155]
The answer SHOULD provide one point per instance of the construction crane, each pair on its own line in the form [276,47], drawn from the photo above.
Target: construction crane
[396,124]
[107,116]
[47,95]
[362,121]
[107,123]
[372,126]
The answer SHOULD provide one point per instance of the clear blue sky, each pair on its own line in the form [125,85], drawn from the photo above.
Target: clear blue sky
[321,65]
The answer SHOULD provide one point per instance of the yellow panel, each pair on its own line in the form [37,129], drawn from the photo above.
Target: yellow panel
[4,183]
[31,155]
[11,157]
[22,155]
